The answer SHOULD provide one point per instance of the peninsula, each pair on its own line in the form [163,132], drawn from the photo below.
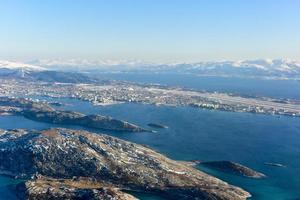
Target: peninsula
[233,168]
[110,164]
[41,111]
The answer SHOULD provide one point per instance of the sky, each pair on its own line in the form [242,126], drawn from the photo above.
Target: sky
[150,30]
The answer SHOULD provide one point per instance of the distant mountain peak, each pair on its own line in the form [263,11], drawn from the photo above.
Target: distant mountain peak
[18,65]
[267,68]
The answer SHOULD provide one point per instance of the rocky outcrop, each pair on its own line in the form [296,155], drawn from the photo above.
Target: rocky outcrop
[274,164]
[192,163]
[25,104]
[55,189]
[155,125]
[65,154]
[79,119]
[234,168]
[41,111]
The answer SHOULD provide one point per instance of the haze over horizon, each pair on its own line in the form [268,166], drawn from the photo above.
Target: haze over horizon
[152,31]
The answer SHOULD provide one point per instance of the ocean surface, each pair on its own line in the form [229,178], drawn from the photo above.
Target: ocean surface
[207,135]
[245,86]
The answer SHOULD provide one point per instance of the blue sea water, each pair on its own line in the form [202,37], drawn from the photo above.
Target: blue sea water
[5,192]
[207,135]
[210,135]
[239,85]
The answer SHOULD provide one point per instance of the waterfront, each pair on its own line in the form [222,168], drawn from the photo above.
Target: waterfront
[237,85]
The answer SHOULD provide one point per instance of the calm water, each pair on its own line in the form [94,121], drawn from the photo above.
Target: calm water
[247,86]
[209,135]
[5,184]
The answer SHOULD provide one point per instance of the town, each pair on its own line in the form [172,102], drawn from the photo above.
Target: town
[114,92]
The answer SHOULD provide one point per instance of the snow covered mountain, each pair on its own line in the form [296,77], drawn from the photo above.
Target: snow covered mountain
[278,68]
[83,64]
[266,68]
[262,66]
[17,65]
[25,71]
[281,68]
[17,69]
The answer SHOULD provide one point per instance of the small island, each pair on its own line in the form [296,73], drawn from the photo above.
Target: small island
[55,103]
[157,125]
[234,168]
[274,164]
[41,111]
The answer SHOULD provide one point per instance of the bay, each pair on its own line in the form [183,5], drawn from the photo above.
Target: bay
[197,134]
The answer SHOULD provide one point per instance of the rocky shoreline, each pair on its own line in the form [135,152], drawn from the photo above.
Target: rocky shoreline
[41,111]
[233,168]
[68,157]
[80,189]
[156,125]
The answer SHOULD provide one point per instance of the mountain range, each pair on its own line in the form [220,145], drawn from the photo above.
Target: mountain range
[30,72]
[266,68]
[284,68]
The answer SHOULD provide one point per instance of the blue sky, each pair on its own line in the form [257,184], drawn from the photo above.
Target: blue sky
[151,30]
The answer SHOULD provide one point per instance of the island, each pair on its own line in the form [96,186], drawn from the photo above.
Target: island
[274,164]
[234,168]
[156,125]
[41,111]
[72,163]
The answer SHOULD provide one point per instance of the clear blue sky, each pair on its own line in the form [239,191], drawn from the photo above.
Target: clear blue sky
[152,30]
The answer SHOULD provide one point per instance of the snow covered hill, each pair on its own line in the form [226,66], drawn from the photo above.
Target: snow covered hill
[16,69]
[25,71]
[17,65]
[281,68]
[267,68]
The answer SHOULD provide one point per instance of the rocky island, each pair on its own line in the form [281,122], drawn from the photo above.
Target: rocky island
[62,163]
[41,111]
[156,125]
[234,168]
[274,164]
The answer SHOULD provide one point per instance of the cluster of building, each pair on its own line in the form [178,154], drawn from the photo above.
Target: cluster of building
[120,92]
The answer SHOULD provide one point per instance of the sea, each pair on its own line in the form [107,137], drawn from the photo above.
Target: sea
[205,135]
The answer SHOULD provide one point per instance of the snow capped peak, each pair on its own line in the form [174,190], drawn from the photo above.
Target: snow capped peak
[18,65]
[95,64]
[263,64]
[87,64]
[284,68]
[267,65]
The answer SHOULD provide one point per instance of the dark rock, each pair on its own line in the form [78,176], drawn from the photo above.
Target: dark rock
[274,164]
[155,125]
[41,111]
[232,167]
[55,104]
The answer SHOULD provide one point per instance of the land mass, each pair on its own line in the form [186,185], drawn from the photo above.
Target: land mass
[41,111]
[110,163]
[156,125]
[80,189]
[234,168]
[274,164]
[120,92]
